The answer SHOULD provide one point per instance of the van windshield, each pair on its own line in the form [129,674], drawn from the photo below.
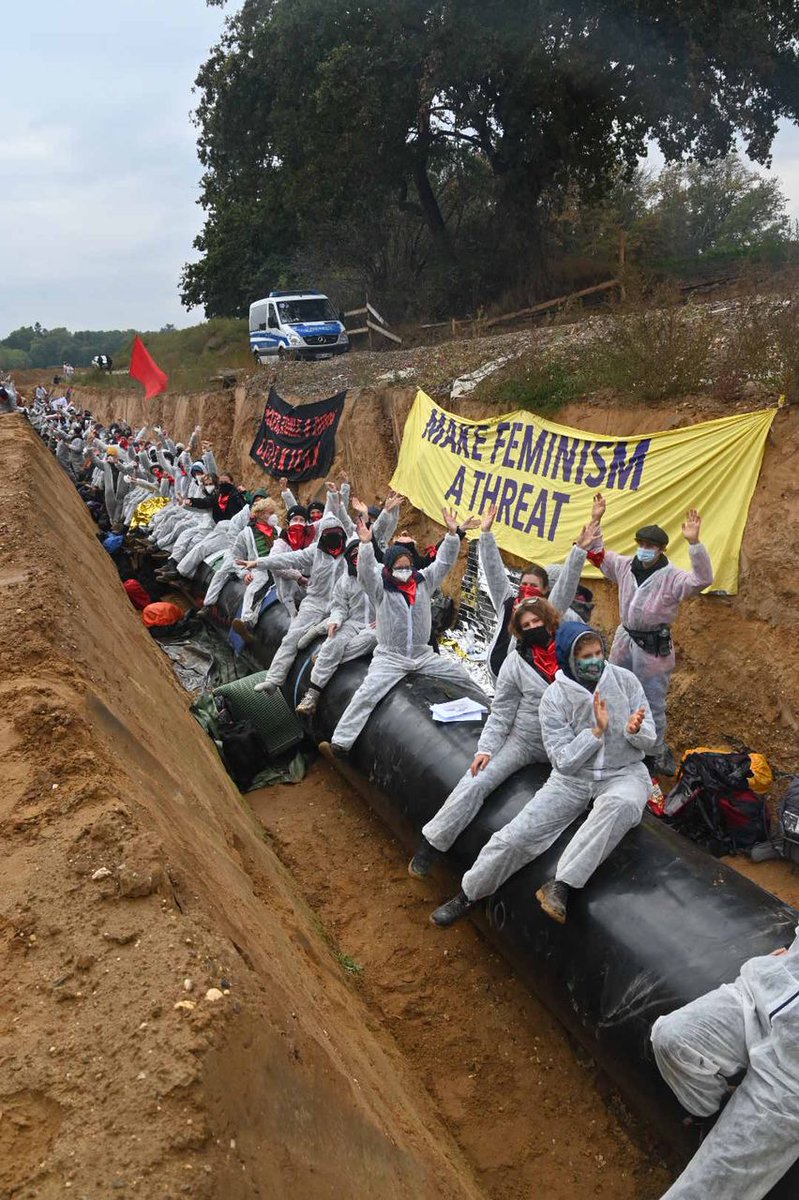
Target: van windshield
[297,312]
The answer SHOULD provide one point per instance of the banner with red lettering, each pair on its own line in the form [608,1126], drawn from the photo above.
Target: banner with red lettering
[298,442]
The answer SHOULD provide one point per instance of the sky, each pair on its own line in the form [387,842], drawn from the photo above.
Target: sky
[99,177]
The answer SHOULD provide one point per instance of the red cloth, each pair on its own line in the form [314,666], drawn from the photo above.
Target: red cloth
[146,370]
[161,613]
[300,536]
[138,597]
[527,591]
[265,528]
[596,557]
[546,660]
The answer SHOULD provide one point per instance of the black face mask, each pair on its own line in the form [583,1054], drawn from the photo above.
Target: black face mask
[539,636]
[332,543]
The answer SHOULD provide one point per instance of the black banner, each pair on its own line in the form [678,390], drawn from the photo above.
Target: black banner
[297,442]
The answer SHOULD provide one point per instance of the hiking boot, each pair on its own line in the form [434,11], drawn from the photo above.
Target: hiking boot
[307,706]
[243,630]
[266,686]
[167,574]
[553,897]
[664,761]
[205,611]
[422,861]
[452,911]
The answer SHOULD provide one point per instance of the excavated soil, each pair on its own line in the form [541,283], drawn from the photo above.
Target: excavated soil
[132,880]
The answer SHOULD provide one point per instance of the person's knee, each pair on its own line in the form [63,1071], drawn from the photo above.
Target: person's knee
[668,1042]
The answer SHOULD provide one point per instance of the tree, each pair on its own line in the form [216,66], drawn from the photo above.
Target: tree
[316,112]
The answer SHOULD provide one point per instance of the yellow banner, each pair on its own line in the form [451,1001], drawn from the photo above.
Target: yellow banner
[543,477]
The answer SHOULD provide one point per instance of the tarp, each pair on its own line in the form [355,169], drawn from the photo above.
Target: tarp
[543,476]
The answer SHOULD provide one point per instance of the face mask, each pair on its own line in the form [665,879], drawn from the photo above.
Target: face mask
[539,636]
[209,489]
[402,574]
[588,670]
[296,536]
[528,591]
[646,556]
[334,549]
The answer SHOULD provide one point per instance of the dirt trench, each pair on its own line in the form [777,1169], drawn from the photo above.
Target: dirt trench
[172,1021]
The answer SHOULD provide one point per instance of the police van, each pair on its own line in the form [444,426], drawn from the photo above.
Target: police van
[296,325]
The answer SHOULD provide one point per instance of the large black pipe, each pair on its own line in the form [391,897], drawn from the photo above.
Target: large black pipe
[659,924]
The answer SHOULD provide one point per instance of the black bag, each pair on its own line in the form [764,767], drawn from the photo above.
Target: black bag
[244,753]
[712,804]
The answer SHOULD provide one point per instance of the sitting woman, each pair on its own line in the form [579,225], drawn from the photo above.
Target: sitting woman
[401,597]
[512,735]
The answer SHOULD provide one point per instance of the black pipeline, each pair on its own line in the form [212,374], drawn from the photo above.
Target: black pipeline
[660,923]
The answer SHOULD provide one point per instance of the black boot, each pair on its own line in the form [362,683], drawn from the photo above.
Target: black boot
[553,898]
[422,861]
[452,911]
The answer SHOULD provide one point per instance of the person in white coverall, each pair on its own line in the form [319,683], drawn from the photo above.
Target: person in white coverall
[596,727]
[401,596]
[752,1025]
[511,737]
[534,582]
[322,563]
[651,590]
[350,631]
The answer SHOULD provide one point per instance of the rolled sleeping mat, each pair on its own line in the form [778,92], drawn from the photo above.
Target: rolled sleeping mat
[659,924]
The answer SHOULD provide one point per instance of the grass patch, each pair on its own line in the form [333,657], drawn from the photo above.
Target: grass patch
[652,354]
[541,385]
[346,961]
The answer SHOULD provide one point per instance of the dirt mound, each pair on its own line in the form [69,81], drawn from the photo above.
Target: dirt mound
[171,1020]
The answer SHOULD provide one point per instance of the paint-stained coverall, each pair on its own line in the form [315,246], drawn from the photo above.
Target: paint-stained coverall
[607,770]
[753,1025]
[403,638]
[646,607]
[512,736]
[501,590]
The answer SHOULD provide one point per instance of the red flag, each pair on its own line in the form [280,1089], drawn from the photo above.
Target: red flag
[146,370]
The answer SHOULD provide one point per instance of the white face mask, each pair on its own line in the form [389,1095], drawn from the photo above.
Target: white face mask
[403,574]
[209,488]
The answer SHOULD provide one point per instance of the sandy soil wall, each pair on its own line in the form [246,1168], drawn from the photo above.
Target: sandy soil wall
[132,881]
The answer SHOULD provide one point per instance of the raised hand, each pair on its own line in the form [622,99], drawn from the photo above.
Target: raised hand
[691,526]
[601,715]
[636,720]
[284,484]
[450,519]
[598,507]
[364,531]
[358,506]
[469,523]
[488,518]
[588,535]
[480,763]
[393,500]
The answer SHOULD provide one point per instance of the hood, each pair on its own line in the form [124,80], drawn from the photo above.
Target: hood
[566,639]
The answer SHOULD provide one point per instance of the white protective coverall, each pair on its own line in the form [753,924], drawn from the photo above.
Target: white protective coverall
[648,606]
[501,591]
[512,736]
[403,638]
[354,613]
[608,770]
[322,571]
[751,1024]
[218,540]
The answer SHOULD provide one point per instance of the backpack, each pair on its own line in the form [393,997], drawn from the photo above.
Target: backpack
[244,753]
[713,804]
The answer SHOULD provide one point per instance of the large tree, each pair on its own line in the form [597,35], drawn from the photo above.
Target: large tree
[323,114]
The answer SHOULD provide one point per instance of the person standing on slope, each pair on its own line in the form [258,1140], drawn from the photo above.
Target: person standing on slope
[651,590]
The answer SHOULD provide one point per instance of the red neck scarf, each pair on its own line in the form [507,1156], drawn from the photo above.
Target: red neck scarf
[408,589]
[542,659]
[265,528]
[527,591]
[300,536]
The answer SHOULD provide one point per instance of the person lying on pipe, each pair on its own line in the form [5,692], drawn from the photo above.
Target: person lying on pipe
[511,737]
[650,592]
[251,533]
[749,1025]
[596,727]
[534,582]
[401,597]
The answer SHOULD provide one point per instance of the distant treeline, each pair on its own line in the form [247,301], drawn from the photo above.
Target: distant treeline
[35,346]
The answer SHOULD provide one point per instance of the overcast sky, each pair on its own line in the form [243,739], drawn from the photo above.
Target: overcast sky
[98,170]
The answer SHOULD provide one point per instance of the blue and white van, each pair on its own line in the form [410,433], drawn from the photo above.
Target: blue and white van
[296,325]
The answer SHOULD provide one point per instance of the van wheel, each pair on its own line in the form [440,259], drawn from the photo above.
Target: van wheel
[256,358]
[286,355]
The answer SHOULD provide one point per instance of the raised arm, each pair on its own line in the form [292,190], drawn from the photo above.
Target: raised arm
[447,556]
[370,574]
[690,583]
